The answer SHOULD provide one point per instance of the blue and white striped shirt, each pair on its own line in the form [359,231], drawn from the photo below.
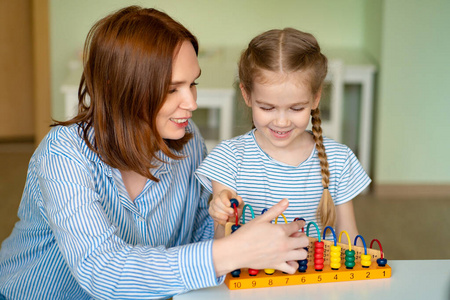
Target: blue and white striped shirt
[261,181]
[81,237]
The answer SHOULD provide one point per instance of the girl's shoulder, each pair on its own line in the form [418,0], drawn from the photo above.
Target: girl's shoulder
[335,149]
[240,143]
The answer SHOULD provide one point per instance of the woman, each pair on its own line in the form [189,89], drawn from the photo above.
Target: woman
[111,207]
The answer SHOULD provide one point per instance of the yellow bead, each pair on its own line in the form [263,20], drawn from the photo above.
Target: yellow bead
[269,271]
[366,260]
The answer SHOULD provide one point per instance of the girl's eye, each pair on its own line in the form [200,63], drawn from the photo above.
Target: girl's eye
[297,108]
[194,84]
[266,108]
[172,91]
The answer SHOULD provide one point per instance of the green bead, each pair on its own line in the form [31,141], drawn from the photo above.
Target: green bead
[349,264]
[350,252]
[350,258]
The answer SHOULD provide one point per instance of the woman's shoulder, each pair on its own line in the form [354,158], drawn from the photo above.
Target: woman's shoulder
[66,141]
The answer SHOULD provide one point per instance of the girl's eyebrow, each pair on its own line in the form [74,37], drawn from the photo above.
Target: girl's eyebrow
[259,102]
[182,82]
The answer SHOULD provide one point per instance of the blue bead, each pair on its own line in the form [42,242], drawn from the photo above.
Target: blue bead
[236,273]
[234,227]
[234,202]
[382,262]
[302,268]
[303,262]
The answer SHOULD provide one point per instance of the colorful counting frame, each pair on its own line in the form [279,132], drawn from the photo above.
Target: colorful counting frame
[335,254]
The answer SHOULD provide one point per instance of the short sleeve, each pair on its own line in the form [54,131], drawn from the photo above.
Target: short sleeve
[220,165]
[352,180]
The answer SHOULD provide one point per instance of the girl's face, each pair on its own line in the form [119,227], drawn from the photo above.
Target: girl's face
[180,102]
[281,107]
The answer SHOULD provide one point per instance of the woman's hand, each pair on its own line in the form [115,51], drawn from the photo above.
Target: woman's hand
[262,245]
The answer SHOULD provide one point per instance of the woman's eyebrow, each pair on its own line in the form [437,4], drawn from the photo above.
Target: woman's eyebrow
[184,81]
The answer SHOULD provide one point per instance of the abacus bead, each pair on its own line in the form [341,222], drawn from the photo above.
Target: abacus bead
[269,271]
[234,202]
[366,260]
[302,268]
[335,259]
[350,252]
[303,262]
[335,266]
[234,227]
[318,255]
[350,258]
[349,264]
[382,262]
[318,261]
[335,249]
[253,272]
[236,273]
[318,267]
[318,245]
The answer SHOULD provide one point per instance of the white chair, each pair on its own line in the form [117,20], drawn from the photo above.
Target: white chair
[219,103]
[332,126]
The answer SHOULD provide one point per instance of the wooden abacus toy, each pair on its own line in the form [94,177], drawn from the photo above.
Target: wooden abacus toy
[327,261]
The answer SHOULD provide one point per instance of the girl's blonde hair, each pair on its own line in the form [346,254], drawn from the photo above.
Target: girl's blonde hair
[288,51]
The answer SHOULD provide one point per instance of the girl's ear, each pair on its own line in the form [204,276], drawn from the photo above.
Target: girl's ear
[245,95]
[317,99]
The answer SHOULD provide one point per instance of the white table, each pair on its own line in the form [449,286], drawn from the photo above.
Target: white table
[411,279]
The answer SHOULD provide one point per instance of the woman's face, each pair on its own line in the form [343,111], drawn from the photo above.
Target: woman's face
[180,102]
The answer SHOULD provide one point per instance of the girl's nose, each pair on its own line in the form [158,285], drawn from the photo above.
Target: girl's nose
[281,120]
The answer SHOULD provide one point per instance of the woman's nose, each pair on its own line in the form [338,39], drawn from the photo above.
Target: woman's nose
[190,100]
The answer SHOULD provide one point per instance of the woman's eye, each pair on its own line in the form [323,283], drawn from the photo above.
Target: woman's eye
[194,84]
[172,91]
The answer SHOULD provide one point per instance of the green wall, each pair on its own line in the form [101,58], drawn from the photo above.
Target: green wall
[413,122]
[407,39]
[215,23]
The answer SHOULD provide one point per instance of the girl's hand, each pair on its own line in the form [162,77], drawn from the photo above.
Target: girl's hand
[220,207]
[262,245]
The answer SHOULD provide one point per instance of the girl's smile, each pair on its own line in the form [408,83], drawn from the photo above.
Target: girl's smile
[281,107]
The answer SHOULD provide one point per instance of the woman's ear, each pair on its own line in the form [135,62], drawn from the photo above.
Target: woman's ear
[245,95]
[316,100]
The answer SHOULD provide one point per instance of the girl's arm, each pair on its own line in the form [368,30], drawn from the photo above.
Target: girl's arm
[220,207]
[346,221]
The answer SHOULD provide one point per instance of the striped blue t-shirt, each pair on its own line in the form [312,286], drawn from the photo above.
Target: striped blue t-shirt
[262,181]
[81,237]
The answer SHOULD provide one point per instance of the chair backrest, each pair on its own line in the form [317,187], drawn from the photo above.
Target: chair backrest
[332,115]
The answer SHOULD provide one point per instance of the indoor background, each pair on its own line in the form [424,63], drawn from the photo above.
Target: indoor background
[407,43]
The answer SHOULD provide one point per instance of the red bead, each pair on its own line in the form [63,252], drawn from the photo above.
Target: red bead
[253,272]
[318,261]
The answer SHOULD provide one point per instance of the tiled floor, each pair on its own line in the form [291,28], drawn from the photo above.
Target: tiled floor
[408,228]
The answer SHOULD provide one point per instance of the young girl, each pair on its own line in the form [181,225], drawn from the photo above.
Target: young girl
[281,77]
[111,208]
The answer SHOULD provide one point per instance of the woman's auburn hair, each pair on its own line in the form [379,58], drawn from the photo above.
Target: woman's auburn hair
[288,51]
[127,59]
